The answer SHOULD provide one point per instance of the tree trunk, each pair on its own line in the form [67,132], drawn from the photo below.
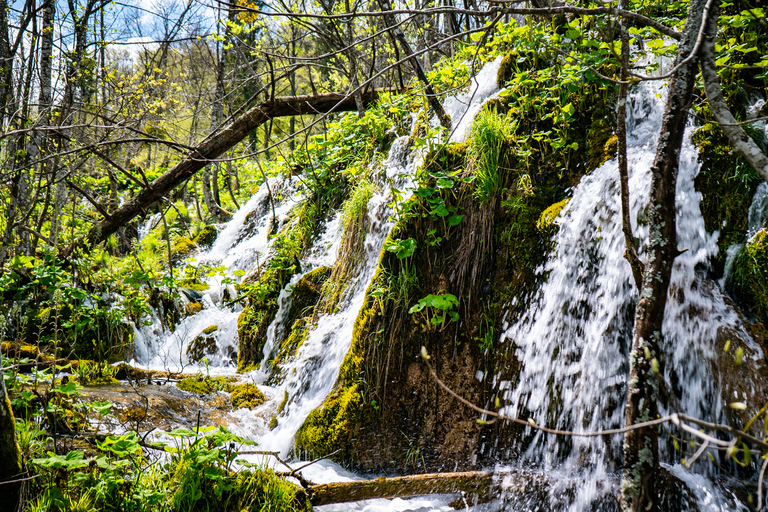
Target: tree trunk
[741,142]
[212,147]
[434,103]
[639,487]
[210,181]
[483,485]
[11,467]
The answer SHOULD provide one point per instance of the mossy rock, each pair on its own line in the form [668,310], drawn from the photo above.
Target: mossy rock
[192,308]
[247,395]
[296,338]
[330,427]
[203,385]
[546,223]
[203,345]
[307,293]
[194,285]
[727,184]
[206,236]
[17,349]
[750,275]
[182,247]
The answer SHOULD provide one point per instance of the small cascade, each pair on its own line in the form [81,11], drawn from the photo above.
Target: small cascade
[573,342]
[322,254]
[757,219]
[240,246]
[148,225]
[758,211]
[310,376]
[463,108]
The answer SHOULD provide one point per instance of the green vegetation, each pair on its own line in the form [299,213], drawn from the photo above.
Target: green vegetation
[246,395]
[204,384]
[751,275]
[727,185]
[489,134]
[197,475]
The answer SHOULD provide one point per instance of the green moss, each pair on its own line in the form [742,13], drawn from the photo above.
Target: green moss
[182,247]
[206,236]
[545,224]
[247,395]
[203,345]
[264,289]
[193,308]
[751,275]
[10,454]
[328,428]
[332,426]
[296,338]
[306,294]
[203,385]
[193,284]
[281,407]
[727,184]
[273,422]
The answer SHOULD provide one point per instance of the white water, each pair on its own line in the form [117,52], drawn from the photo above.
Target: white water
[241,246]
[573,342]
[582,313]
[309,376]
[758,210]
[463,108]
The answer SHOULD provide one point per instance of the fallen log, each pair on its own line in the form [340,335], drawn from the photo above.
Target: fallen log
[479,483]
[211,148]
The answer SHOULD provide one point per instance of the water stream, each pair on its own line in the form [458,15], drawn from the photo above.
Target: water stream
[573,341]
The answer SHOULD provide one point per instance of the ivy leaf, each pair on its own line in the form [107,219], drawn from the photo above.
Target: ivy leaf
[454,220]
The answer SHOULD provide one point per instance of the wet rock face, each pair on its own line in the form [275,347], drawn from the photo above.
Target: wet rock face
[743,375]
[203,345]
[306,294]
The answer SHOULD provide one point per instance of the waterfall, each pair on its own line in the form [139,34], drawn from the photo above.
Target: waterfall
[573,342]
[242,244]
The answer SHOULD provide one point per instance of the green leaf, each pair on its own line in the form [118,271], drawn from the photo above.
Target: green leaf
[72,460]
[70,388]
[454,220]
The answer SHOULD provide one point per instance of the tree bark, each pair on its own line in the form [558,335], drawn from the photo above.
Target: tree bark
[483,484]
[434,103]
[741,142]
[641,458]
[211,181]
[630,252]
[11,467]
[210,148]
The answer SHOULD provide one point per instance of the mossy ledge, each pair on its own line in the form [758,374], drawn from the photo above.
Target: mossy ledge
[264,287]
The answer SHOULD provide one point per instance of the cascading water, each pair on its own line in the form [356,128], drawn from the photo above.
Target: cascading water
[308,377]
[243,243]
[573,342]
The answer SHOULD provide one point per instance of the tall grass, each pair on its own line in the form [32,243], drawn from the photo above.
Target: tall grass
[489,133]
